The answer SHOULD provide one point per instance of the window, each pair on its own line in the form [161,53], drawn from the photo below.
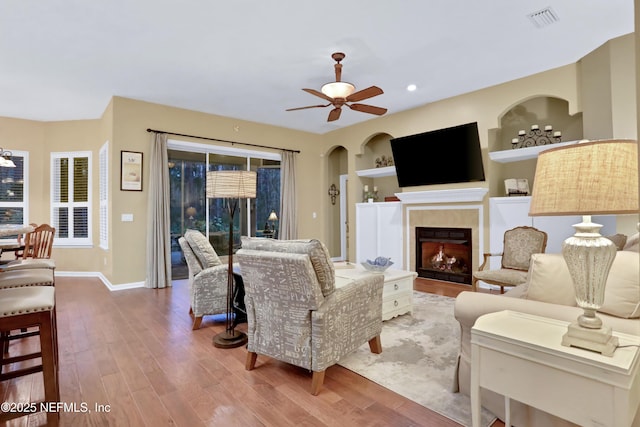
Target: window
[71,198]
[103,173]
[14,194]
[190,208]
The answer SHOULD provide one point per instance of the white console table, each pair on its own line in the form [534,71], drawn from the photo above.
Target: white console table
[397,295]
[520,356]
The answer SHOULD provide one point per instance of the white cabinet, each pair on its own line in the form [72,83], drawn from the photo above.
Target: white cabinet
[506,213]
[379,231]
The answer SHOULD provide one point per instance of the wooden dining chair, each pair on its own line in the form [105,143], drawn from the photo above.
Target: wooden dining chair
[38,243]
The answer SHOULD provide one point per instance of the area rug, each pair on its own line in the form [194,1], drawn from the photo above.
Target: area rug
[418,359]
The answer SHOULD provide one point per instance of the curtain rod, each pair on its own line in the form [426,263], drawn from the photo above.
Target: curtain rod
[221,140]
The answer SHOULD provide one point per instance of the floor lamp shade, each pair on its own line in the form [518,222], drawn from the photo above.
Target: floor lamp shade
[231,185]
[598,177]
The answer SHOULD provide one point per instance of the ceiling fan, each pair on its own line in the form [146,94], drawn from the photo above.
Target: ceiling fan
[341,93]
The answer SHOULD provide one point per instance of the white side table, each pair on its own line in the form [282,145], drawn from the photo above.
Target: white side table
[397,294]
[520,356]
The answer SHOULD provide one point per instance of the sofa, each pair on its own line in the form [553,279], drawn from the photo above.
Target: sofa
[548,292]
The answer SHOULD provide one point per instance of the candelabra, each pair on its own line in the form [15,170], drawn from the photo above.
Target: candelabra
[536,136]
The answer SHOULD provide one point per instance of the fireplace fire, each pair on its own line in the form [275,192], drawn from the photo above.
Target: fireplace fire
[444,254]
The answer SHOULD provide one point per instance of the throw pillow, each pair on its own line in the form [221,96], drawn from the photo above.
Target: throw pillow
[622,294]
[201,247]
[315,249]
[549,280]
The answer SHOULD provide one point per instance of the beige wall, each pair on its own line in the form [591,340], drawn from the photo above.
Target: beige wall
[132,118]
[125,121]
[607,90]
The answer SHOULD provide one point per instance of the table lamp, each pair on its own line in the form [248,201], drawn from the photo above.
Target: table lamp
[588,178]
[273,218]
[231,185]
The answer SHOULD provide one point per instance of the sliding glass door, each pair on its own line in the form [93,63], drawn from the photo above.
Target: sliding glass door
[191,209]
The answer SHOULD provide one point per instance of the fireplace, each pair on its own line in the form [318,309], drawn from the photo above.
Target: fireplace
[444,254]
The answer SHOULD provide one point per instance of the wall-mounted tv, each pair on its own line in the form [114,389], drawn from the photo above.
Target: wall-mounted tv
[443,156]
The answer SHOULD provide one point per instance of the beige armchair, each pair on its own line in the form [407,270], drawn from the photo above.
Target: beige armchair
[519,244]
[295,312]
[207,277]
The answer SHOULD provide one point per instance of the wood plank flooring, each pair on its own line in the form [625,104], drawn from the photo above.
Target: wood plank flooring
[130,358]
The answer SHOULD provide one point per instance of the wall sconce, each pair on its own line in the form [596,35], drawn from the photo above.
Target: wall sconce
[333,192]
[5,159]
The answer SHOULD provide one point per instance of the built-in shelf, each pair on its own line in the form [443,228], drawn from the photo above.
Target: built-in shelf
[517,154]
[377,172]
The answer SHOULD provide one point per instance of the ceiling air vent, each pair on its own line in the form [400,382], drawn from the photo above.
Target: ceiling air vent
[543,18]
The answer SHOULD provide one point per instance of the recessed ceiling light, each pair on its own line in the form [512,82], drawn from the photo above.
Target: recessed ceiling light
[412,87]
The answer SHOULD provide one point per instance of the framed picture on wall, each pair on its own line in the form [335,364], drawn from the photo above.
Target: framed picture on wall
[130,171]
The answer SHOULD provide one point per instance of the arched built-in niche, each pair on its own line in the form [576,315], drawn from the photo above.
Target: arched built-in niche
[337,166]
[374,158]
[538,111]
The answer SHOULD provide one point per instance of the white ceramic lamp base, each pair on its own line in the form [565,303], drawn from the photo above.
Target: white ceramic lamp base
[598,340]
[589,257]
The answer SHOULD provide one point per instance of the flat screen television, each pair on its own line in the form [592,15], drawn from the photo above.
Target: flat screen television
[443,156]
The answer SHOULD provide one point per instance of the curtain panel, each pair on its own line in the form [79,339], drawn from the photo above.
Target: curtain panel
[158,224]
[288,218]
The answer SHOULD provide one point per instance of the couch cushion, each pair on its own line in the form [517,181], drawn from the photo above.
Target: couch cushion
[549,281]
[622,294]
[317,251]
[202,249]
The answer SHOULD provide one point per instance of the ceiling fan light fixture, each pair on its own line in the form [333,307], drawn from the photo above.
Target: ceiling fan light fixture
[338,89]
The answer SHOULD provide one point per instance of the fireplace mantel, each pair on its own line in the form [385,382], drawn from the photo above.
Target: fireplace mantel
[458,195]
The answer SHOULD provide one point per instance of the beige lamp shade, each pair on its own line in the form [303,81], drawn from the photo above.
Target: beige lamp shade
[587,178]
[234,184]
[272,216]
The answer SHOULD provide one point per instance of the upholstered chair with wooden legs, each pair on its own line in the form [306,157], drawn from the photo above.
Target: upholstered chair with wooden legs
[295,312]
[519,244]
[207,277]
[20,278]
[31,307]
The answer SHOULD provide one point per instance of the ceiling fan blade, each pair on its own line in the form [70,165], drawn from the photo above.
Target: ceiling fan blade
[369,92]
[318,93]
[364,108]
[334,114]
[304,108]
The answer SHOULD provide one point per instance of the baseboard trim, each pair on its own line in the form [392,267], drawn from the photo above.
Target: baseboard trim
[102,278]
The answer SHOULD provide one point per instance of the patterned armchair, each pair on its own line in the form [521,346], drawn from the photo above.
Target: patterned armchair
[207,277]
[295,312]
[519,244]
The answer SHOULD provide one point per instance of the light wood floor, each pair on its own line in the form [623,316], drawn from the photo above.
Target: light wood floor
[133,354]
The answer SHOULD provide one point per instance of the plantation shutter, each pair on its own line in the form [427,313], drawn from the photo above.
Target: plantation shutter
[70,197]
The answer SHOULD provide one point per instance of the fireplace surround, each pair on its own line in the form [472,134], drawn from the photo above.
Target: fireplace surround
[454,208]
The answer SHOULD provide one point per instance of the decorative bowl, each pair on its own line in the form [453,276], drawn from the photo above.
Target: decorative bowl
[378,265]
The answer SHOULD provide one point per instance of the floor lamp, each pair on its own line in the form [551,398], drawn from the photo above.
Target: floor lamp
[588,178]
[231,186]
